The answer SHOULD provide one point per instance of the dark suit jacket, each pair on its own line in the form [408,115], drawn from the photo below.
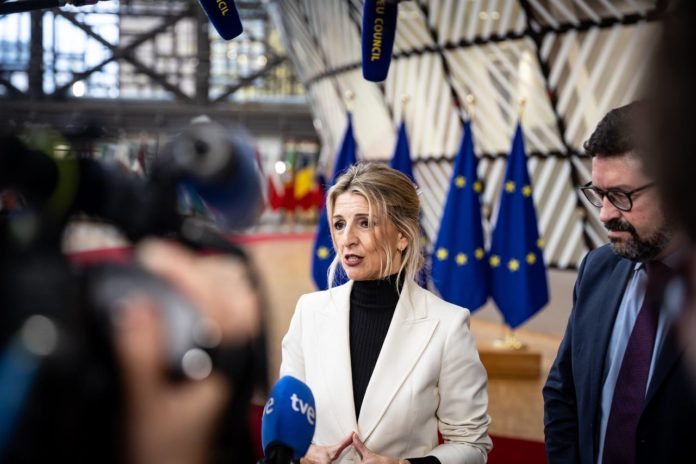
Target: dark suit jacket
[572,393]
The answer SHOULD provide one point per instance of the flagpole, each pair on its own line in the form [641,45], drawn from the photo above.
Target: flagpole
[471,106]
[350,98]
[510,340]
[518,275]
[322,250]
[404,102]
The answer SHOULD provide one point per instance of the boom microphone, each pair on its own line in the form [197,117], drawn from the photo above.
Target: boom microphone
[224,16]
[288,422]
[379,29]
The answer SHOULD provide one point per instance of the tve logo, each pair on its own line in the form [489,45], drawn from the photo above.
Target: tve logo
[302,407]
[269,406]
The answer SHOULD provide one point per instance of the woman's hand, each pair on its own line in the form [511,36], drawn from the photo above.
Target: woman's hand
[326,454]
[369,457]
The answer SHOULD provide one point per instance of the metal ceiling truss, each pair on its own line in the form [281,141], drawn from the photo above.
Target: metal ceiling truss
[166,16]
[126,53]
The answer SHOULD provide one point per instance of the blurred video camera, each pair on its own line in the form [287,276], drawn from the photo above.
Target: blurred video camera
[60,390]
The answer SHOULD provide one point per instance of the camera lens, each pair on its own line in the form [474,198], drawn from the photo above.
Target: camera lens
[196,364]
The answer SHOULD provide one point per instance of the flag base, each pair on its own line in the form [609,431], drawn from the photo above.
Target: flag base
[511,361]
[509,342]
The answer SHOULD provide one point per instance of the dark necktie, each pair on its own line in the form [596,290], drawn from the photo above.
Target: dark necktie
[631,384]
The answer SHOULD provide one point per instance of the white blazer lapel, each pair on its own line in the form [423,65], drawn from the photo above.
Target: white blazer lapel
[333,349]
[408,335]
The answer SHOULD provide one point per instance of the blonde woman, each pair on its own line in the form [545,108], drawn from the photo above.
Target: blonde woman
[390,364]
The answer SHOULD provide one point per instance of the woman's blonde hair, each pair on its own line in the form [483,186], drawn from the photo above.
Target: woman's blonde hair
[390,195]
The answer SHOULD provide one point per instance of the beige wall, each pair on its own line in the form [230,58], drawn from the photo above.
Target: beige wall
[553,318]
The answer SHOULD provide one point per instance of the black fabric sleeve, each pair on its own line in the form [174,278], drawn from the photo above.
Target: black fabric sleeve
[424,460]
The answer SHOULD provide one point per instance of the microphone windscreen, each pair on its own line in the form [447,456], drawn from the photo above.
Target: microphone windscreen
[224,16]
[220,166]
[289,417]
[379,29]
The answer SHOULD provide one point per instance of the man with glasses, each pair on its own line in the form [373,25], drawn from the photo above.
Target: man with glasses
[617,391]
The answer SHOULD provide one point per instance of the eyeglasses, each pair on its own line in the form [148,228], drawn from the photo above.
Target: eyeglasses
[620,199]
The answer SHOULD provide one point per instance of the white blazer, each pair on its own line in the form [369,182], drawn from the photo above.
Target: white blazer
[428,376]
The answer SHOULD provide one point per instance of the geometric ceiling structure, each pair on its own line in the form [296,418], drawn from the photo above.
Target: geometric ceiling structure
[145,65]
[570,61]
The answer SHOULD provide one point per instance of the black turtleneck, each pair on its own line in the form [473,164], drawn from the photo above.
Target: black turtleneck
[372,305]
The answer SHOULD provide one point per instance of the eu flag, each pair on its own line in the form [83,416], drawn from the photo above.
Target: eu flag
[401,161]
[459,268]
[518,274]
[323,252]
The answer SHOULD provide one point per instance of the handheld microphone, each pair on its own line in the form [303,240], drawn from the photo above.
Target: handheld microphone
[379,29]
[224,16]
[288,422]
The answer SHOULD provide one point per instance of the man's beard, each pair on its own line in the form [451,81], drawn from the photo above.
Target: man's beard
[635,248]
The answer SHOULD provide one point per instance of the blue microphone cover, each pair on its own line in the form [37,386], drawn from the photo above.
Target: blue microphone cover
[224,16]
[219,165]
[289,417]
[379,29]
[237,200]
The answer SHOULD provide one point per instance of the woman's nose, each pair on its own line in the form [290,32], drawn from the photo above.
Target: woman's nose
[349,237]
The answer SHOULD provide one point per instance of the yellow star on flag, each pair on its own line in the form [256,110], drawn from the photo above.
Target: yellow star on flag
[495,261]
[540,243]
[460,181]
[513,265]
[527,190]
[442,254]
[322,252]
[479,253]
[509,186]
[462,259]
[531,258]
[478,187]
